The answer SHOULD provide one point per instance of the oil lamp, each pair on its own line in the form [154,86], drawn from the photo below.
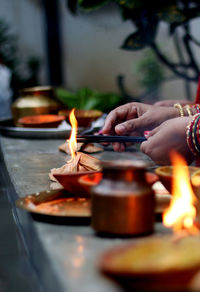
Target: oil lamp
[182,211]
[79,162]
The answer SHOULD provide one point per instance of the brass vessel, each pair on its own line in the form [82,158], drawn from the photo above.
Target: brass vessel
[123,202]
[35,101]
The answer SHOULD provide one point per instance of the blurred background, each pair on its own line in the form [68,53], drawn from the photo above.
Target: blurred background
[133,49]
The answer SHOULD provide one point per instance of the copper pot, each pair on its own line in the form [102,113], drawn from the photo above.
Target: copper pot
[35,101]
[123,202]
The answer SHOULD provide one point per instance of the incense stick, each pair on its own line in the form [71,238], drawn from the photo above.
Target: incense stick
[109,139]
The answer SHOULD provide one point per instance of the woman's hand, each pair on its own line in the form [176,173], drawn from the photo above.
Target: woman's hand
[133,119]
[169,135]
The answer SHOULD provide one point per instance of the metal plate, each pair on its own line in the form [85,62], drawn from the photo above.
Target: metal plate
[56,203]
[63,204]
[7,128]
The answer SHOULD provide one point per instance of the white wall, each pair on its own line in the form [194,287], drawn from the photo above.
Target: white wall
[25,19]
[90,46]
[92,54]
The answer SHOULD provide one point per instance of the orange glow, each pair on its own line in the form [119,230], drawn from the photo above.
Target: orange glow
[72,139]
[182,211]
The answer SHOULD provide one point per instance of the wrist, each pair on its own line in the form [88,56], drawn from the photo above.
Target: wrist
[175,112]
[186,110]
[193,135]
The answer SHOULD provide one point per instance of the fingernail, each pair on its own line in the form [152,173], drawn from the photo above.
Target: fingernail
[146,134]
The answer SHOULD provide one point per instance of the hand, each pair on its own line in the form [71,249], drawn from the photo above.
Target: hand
[171,102]
[133,119]
[169,135]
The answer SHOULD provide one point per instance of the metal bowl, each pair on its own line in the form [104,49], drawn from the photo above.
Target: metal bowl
[35,101]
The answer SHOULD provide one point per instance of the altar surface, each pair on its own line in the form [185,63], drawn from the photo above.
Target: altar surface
[58,257]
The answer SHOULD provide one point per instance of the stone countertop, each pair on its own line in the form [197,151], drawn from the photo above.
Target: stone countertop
[71,251]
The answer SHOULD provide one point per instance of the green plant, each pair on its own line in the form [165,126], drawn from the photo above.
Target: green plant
[86,98]
[149,72]
[147,17]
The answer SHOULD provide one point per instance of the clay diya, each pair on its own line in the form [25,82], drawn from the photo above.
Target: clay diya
[156,264]
[68,175]
[84,117]
[71,183]
[165,174]
[41,121]
[79,164]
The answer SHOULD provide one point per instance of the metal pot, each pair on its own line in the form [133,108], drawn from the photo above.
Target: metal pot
[35,101]
[123,202]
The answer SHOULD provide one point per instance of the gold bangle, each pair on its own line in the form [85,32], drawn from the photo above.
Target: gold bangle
[180,108]
[188,109]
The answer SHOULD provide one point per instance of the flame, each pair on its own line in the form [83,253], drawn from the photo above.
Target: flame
[72,140]
[182,211]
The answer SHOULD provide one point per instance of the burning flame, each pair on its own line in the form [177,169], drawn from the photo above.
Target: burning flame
[182,211]
[72,140]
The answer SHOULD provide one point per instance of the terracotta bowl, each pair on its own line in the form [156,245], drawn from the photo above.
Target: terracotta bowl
[89,180]
[70,182]
[84,117]
[41,121]
[165,175]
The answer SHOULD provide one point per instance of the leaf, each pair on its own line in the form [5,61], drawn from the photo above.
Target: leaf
[67,98]
[86,98]
[91,103]
[186,16]
[147,27]
[135,41]
[130,4]
[149,71]
[140,39]
[90,5]
[172,14]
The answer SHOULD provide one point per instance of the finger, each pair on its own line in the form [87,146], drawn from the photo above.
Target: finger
[146,134]
[124,128]
[133,127]
[148,146]
[153,132]
[136,126]
[143,146]
[118,115]
[118,147]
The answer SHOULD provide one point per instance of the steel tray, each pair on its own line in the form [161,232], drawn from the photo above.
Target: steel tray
[7,128]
